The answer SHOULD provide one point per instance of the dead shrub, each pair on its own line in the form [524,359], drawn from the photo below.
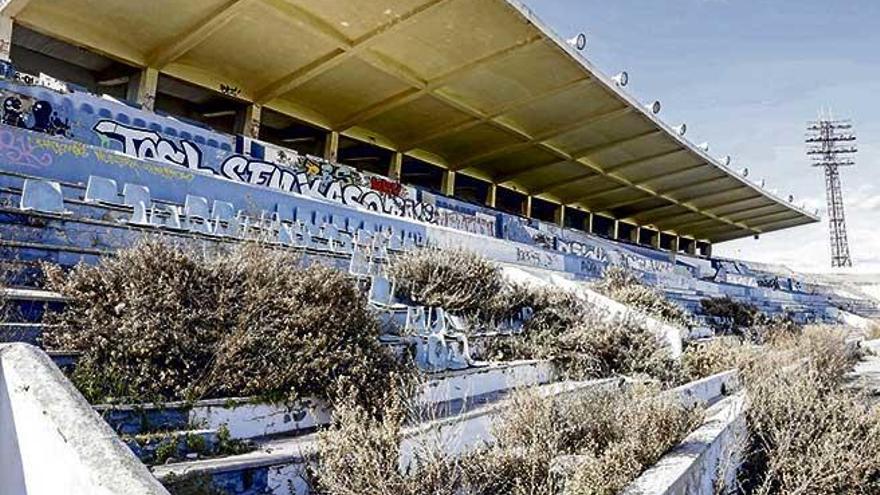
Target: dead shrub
[624,287]
[626,432]
[295,331]
[730,316]
[704,359]
[457,280]
[600,349]
[808,433]
[361,454]
[810,439]
[160,322]
[145,321]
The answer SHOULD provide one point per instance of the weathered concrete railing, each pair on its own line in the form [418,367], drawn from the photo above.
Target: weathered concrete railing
[707,458]
[52,442]
[708,455]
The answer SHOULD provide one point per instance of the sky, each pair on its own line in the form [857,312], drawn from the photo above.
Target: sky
[746,76]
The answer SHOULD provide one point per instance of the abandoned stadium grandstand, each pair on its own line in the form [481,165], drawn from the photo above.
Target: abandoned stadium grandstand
[358,131]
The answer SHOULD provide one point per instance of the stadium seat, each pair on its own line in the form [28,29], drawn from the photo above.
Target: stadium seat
[382,293]
[43,196]
[286,236]
[133,194]
[139,215]
[222,210]
[416,321]
[196,207]
[360,262]
[197,214]
[170,219]
[101,190]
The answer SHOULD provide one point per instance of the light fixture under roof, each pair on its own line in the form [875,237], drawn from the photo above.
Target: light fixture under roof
[579,42]
[682,129]
[621,79]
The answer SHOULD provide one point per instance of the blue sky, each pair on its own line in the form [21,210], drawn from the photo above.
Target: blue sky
[746,76]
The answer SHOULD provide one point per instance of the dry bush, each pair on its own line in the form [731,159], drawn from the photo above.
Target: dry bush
[601,349]
[295,332]
[161,322]
[457,280]
[360,454]
[582,344]
[704,359]
[613,431]
[808,433]
[624,287]
[625,433]
[145,321]
[810,439]
[735,316]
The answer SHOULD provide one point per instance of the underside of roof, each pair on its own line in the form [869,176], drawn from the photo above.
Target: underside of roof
[479,87]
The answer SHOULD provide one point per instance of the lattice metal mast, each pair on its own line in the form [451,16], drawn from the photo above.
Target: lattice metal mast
[831,146]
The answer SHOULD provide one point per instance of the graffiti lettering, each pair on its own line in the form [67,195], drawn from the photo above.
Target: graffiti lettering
[304,175]
[580,249]
[149,145]
[17,149]
[535,258]
[386,186]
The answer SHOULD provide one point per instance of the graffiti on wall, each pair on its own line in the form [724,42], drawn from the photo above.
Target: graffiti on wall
[588,251]
[36,115]
[304,175]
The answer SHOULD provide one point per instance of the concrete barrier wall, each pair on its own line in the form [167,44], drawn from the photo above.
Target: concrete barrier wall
[707,458]
[52,442]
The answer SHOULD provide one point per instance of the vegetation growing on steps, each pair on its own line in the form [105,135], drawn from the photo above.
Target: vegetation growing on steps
[809,432]
[457,280]
[160,322]
[732,317]
[562,326]
[624,287]
[360,454]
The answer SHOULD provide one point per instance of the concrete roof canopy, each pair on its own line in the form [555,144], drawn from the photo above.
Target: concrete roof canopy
[480,87]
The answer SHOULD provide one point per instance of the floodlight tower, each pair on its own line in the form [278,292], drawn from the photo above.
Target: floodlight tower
[830,144]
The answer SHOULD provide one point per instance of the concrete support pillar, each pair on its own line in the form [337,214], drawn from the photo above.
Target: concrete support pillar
[588,223]
[142,88]
[559,215]
[673,249]
[395,169]
[655,240]
[5,39]
[250,120]
[708,250]
[492,196]
[331,146]
[692,248]
[447,187]
[615,233]
[635,234]
[527,207]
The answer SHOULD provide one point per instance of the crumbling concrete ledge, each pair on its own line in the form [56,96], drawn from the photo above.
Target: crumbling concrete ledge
[707,458]
[52,442]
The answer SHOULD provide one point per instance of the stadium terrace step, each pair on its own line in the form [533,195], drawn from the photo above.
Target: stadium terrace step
[278,466]
[27,333]
[159,448]
[443,394]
